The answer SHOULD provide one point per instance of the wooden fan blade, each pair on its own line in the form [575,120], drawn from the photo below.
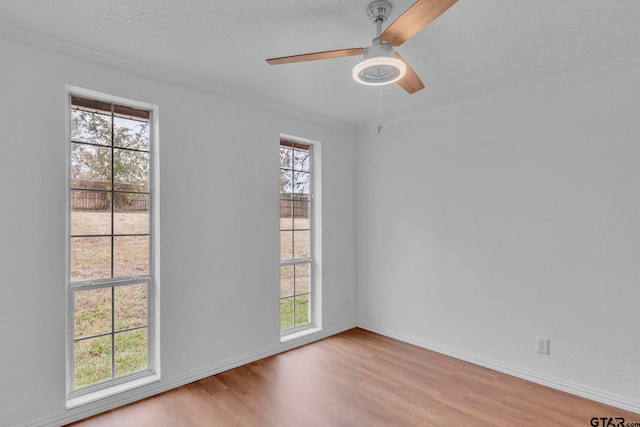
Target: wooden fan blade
[414,19]
[410,82]
[316,55]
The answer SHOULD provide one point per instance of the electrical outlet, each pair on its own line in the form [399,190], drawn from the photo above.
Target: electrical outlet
[542,345]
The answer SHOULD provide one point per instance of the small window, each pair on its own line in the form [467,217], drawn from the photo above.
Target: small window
[110,260]
[296,236]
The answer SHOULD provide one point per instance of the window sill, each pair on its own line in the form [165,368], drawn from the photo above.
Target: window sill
[299,334]
[94,396]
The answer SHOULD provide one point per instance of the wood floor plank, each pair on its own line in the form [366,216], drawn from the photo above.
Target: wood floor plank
[358,378]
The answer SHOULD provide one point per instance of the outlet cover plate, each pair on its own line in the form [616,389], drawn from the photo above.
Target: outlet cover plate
[542,345]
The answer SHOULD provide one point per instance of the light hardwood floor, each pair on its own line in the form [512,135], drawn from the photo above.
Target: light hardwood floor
[358,378]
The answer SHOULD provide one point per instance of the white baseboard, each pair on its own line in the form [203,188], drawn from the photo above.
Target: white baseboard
[90,409]
[66,417]
[581,390]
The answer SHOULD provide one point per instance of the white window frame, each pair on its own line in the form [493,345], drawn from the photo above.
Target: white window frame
[315,242]
[91,393]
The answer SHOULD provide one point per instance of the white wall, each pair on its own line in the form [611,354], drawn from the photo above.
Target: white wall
[219,253]
[512,216]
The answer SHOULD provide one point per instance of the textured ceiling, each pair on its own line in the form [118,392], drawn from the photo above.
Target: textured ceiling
[474,48]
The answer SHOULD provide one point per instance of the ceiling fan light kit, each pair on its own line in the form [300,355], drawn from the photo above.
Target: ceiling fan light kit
[380,66]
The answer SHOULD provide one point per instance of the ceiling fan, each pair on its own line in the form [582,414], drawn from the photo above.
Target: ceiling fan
[382,64]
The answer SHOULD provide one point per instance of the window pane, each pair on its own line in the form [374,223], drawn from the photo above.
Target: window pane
[131,133]
[131,213]
[302,184]
[90,212]
[130,304]
[90,167]
[301,247]
[286,183]
[130,351]
[302,210]
[130,256]
[301,160]
[94,128]
[302,281]
[286,280]
[92,360]
[90,258]
[301,224]
[130,170]
[286,313]
[286,218]
[91,312]
[286,245]
[286,158]
[286,213]
[302,309]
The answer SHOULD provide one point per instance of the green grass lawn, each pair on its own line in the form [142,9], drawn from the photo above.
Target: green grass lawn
[118,310]
[120,313]
[295,283]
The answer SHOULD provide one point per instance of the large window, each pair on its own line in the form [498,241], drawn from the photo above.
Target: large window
[110,259]
[296,235]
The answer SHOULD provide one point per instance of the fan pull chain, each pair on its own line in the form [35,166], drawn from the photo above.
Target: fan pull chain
[379,109]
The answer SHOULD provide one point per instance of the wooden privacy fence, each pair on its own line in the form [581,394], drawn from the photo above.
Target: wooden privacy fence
[96,201]
[296,205]
[89,201]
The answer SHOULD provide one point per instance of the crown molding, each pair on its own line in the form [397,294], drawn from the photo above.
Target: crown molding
[48,44]
[582,74]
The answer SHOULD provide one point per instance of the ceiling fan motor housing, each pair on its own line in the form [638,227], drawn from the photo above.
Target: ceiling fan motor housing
[379,48]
